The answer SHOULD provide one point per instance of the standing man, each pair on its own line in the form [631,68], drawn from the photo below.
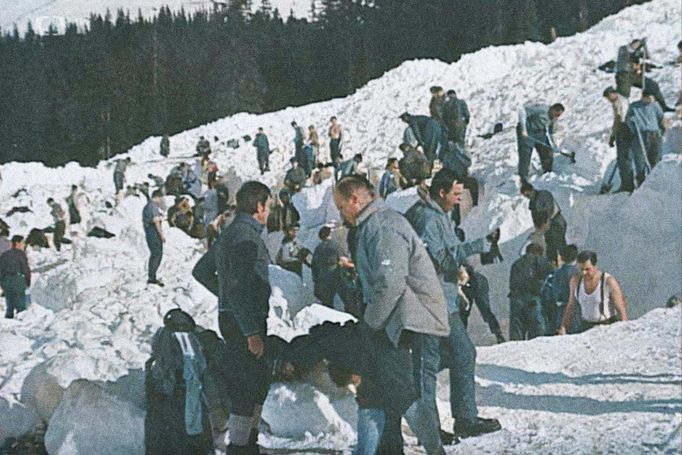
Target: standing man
[430,217]
[621,138]
[328,266]
[164,147]
[526,277]
[644,119]
[534,131]
[334,139]
[627,55]
[560,283]
[392,180]
[203,147]
[477,291]
[262,151]
[59,217]
[120,175]
[403,305]
[598,294]
[72,202]
[235,269]
[15,276]
[436,104]
[544,208]
[456,118]
[299,140]
[151,222]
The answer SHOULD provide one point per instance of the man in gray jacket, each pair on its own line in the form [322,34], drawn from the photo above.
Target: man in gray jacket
[534,131]
[644,119]
[430,217]
[403,307]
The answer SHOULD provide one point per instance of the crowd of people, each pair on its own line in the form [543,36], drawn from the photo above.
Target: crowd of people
[408,279]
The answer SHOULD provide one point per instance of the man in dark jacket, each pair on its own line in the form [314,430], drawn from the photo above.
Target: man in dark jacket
[477,291]
[295,177]
[527,274]
[543,206]
[560,289]
[235,269]
[534,131]
[627,55]
[164,147]
[332,271]
[456,118]
[428,132]
[262,151]
[15,276]
[299,141]
[436,104]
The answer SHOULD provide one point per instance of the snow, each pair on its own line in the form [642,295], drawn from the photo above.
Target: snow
[614,389]
[44,13]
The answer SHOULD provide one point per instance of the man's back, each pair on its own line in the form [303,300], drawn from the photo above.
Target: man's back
[561,281]
[527,275]
[645,117]
[325,259]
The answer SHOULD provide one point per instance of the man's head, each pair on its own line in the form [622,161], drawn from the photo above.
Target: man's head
[291,230]
[74,187]
[324,233]
[392,163]
[452,94]
[17,242]
[611,94]
[157,195]
[405,117]
[333,119]
[50,201]
[527,190]
[294,124]
[556,110]
[254,198]
[284,196]
[535,249]
[436,90]
[260,129]
[294,162]
[636,43]
[445,190]
[351,195]
[568,254]
[358,158]
[587,264]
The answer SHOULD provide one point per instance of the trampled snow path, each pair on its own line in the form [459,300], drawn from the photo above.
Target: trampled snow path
[93,316]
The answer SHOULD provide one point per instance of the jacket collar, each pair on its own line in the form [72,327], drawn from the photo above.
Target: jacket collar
[250,220]
[376,205]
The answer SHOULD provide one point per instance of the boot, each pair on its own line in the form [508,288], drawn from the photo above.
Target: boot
[479,426]
[499,337]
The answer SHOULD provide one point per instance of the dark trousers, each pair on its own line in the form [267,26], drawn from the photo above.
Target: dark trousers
[555,237]
[458,354]
[624,159]
[651,140]
[526,146]
[336,282]
[263,163]
[250,376]
[119,179]
[58,235]
[526,320]
[478,293]
[155,254]
[14,288]
[334,149]
[624,83]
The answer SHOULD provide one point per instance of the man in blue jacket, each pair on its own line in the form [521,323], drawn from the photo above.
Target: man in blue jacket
[644,119]
[431,219]
[428,132]
[534,131]
[235,269]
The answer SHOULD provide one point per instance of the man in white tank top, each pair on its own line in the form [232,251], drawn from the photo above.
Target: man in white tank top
[598,294]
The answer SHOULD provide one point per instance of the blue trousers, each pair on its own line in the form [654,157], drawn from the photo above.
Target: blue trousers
[155,254]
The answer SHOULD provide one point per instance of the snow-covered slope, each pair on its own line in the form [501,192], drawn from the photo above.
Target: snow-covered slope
[43,13]
[93,316]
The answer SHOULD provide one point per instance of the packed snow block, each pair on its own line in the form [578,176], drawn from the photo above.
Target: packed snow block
[129,388]
[16,420]
[41,391]
[289,287]
[91,420]
[294,410]
[316,206]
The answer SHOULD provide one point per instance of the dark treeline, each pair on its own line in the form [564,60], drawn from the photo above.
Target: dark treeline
[83,94]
